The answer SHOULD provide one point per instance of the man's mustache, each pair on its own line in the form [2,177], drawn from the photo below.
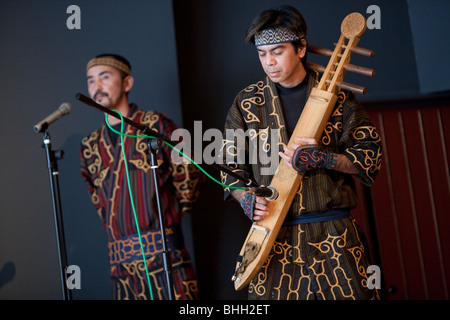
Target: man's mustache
[100,92]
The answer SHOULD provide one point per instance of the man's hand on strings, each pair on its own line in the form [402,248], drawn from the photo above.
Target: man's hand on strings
[289,151]
[305,154]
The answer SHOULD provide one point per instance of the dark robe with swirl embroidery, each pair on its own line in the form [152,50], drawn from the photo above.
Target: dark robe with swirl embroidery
[333,249]
[103,169]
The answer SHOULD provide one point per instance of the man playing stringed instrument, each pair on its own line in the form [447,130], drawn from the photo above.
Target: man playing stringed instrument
[320,252]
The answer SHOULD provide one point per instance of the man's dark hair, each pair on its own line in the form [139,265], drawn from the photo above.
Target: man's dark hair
[284,16]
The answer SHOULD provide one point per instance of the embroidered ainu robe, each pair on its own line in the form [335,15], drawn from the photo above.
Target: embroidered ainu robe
[323,260]
[103,169]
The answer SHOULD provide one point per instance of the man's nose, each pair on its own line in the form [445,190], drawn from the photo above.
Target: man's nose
[98,84]
[269,61]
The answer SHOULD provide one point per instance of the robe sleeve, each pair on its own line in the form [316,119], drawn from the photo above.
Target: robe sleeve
[235,150]
[88,173]
[361,141]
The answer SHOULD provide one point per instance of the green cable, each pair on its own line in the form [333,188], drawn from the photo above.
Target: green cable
[122,135]
[132,205]
[196,164]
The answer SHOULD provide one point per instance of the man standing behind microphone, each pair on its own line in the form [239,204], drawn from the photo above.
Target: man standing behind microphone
[109,81]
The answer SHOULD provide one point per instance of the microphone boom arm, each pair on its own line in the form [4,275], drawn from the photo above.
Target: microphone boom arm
[147,131]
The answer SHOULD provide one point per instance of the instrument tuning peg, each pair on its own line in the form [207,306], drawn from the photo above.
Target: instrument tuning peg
[361,51]
[348,67]
[319,50]
[361,70]
[351,87]
[315,66]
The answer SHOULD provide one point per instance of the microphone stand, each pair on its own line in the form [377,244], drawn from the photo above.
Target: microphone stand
[52,157]
[153,146]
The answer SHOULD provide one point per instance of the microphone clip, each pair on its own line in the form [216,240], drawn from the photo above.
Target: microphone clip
[270,193]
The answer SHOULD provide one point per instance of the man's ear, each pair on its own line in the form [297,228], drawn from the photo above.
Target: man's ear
[127,83]
[302,50]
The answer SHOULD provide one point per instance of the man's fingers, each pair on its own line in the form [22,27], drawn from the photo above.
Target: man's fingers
[305,140]
[286,158]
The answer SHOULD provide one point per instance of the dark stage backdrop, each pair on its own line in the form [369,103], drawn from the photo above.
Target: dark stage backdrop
[189,60]
[43,65]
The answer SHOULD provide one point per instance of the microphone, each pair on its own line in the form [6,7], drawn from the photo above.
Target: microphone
[63,109]
[270,193]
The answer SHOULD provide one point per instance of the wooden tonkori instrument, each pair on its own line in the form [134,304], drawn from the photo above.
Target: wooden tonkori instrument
[311,123]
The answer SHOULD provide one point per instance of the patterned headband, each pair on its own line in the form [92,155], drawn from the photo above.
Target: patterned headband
[108,61]
[275,35]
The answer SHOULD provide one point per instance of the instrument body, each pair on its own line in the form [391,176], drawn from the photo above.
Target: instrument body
[311,123]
